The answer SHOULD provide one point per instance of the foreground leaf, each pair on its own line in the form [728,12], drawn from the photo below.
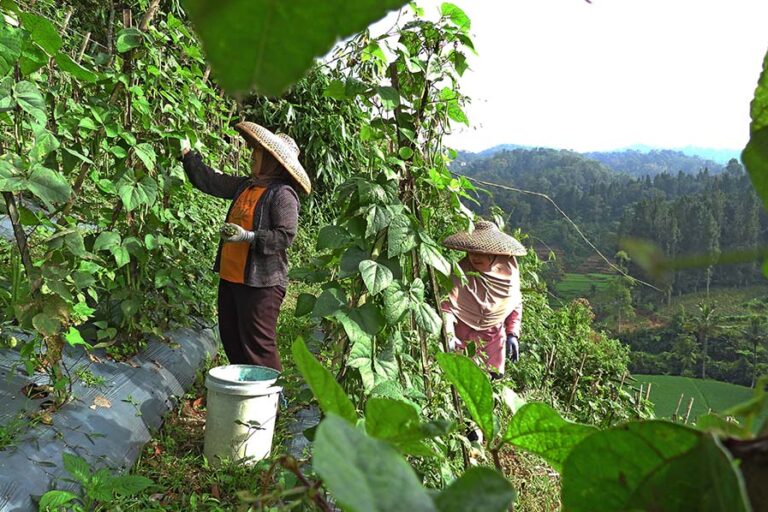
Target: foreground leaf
[651,465]
[477,490]
[473,387]
[363,474]
[331,398]
[254,43]
[539,429]
[755,155]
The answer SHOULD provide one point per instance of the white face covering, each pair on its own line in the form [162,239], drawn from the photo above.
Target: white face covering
[488,297]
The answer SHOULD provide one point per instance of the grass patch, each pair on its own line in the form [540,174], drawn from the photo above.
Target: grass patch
[707,395]
[573,286]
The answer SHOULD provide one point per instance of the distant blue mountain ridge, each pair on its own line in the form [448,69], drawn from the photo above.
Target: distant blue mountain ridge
[641,160]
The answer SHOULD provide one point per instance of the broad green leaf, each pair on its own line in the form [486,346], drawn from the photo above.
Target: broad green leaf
[42,32]
[639,462]
[128,485]
[74,243]
[30,100]
[350,262]
[46,324]
[473,386]
[87,123]
[361,354]
[130,307]
[376,277]
[10,180]
[118,151]
[400,236]
[416,292]
[539,429]
[477,490]
[68,65]
[432,257]
[135,194]
[107,240]
[150,242]
[7,102]
[427,318]
[10,48]
[269,27]
[32,58]
[53,500]
[396,303]
[330,302]
[390,97]
[395,421]
[364,474]
[456,15]
[368,317]
[121,255]
[45,143]
[332,237]
[77,467]
[755,155]
[128,39]
[49,186]
[336,90]
[330,396]
[377,218]
[146,154]
[305,303]
[449,97]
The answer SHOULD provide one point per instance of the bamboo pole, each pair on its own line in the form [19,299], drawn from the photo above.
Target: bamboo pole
[677,409]
[688,412]
[83,47]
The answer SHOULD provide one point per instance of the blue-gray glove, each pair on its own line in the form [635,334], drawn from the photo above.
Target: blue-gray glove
[513,348]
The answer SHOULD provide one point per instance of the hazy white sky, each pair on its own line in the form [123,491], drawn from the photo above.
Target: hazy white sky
[569,74]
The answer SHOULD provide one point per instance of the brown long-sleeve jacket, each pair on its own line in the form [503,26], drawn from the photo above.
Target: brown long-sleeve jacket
[275,220]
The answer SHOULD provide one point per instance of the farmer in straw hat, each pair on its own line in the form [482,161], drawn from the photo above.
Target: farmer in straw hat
[260,226]
[487,309]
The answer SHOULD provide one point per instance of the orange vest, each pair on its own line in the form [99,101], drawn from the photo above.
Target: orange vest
[234,255]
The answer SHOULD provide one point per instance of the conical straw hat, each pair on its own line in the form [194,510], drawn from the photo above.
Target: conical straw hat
[281,146]
[485,239]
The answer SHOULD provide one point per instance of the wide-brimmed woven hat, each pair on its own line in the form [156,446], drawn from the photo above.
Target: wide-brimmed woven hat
[485,239]
[281,146]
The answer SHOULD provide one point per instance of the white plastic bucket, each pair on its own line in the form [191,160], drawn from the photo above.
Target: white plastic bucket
[242,405]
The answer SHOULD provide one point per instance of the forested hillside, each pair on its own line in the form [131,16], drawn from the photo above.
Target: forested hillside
[653,162]
[682,213]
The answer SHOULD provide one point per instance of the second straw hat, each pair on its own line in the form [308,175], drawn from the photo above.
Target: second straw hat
[486,239]
[281,146]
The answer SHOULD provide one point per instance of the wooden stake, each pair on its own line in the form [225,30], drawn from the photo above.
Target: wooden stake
[677,409]
[66,20]
[648,391]
[83,47]
[576,381]
[688,412]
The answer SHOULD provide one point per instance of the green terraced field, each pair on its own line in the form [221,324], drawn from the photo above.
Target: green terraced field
[573,286]
[706,394]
